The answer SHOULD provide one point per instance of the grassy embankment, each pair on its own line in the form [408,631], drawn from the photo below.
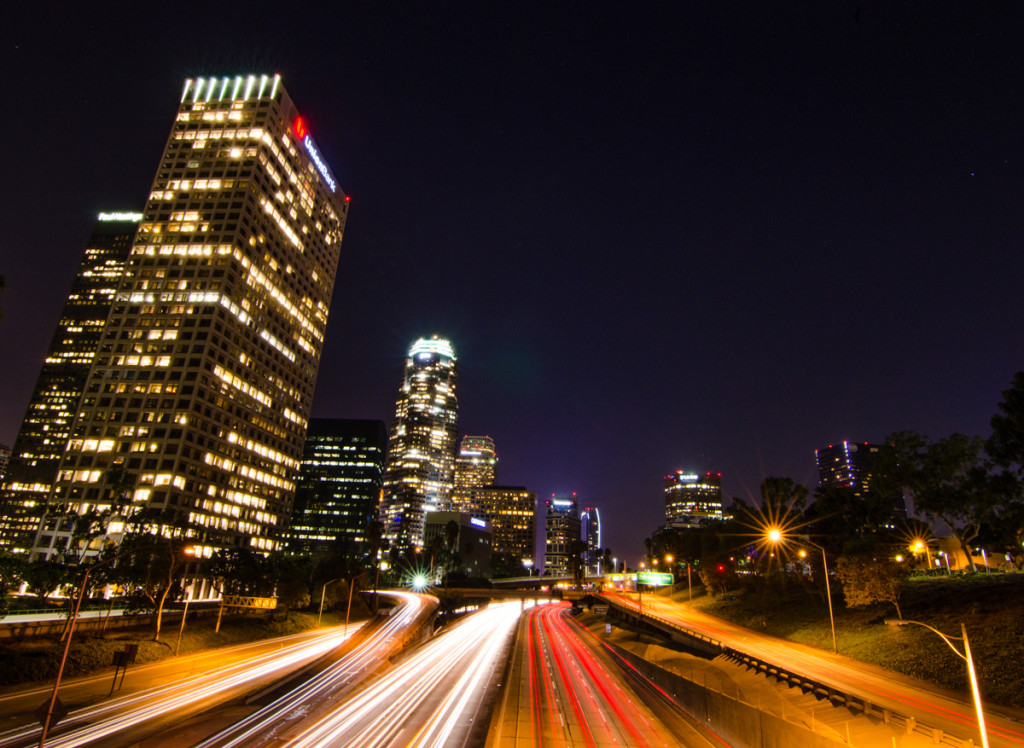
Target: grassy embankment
[991,606]
[37,659]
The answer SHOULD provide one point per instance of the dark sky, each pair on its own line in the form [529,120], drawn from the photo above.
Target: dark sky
[710,236]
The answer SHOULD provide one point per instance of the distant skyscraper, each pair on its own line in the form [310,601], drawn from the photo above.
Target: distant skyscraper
[562,533]
[197,401]
[339,489]
[43,437]
[590,520]
[851,465]
[421,455]
[510,512]
[476,463]
[692,499]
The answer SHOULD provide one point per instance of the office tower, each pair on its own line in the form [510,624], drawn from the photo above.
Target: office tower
[692,500]
[851,465]
[421,455]
[5,457]
[339,487]
[197,402]
[562,539]
[511,513]
[590,521]
[476,463]
[43,437]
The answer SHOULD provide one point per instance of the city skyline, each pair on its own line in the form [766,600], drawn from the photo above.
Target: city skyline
[659,237]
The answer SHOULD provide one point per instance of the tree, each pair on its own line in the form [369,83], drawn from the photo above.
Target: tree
[43,577]
[868,579]
[1006,444]
[949,481]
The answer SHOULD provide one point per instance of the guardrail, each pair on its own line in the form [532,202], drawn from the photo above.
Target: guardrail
[836,696]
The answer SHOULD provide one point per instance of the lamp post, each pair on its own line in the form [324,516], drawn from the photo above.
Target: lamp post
[71,630]
[776,536]
[351,586]
[323,593]
[966,657]
[639,589]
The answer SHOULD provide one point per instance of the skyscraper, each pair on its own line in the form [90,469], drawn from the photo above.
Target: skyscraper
[851,465]
[476,463]
[43,437]
[562,539]
[590,520]
[510,512]
[339,489]
[421,455]
[198,398]
[692,499]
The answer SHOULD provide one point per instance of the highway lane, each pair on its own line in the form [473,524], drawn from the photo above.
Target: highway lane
[884,689]
[185,686]
[566,689]
[292,710]
[434,698]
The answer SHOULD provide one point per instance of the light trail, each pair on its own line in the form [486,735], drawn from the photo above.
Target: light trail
[601,709]
[413,705]
[109,717]
[280,716]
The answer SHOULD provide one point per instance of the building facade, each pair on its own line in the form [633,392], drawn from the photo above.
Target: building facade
[562,535]
[43,437]
[851,465]
[470,553]
[339,488]
[421,456]
[692,499]
[196,404]
[590,521]
[511,514]
[476,463]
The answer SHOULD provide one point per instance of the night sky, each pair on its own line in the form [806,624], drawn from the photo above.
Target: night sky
[661,236]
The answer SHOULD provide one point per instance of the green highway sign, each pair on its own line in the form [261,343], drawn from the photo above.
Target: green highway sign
[654,578]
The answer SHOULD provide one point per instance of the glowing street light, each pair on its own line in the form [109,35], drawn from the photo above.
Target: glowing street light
[776,536]
[966,657]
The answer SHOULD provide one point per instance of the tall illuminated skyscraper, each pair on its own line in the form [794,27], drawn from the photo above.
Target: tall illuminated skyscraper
[198,398]
[43,437]
[421,455]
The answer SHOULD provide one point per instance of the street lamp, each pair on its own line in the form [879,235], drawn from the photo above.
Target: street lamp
[323,592]
[775,536]
[966,657]
[71,630]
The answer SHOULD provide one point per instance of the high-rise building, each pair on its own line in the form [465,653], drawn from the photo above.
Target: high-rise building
[510,512]
[43,437]
[340,481]
[851,465]
[476,463]
[562,535]
[590,520]
[197,401]
[692,499]
[471,544]
[5,458]
[421,455]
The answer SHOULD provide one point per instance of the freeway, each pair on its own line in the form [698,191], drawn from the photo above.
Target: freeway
[882,688]
[183,686]
[298,705]
[436,697]
[565,689]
